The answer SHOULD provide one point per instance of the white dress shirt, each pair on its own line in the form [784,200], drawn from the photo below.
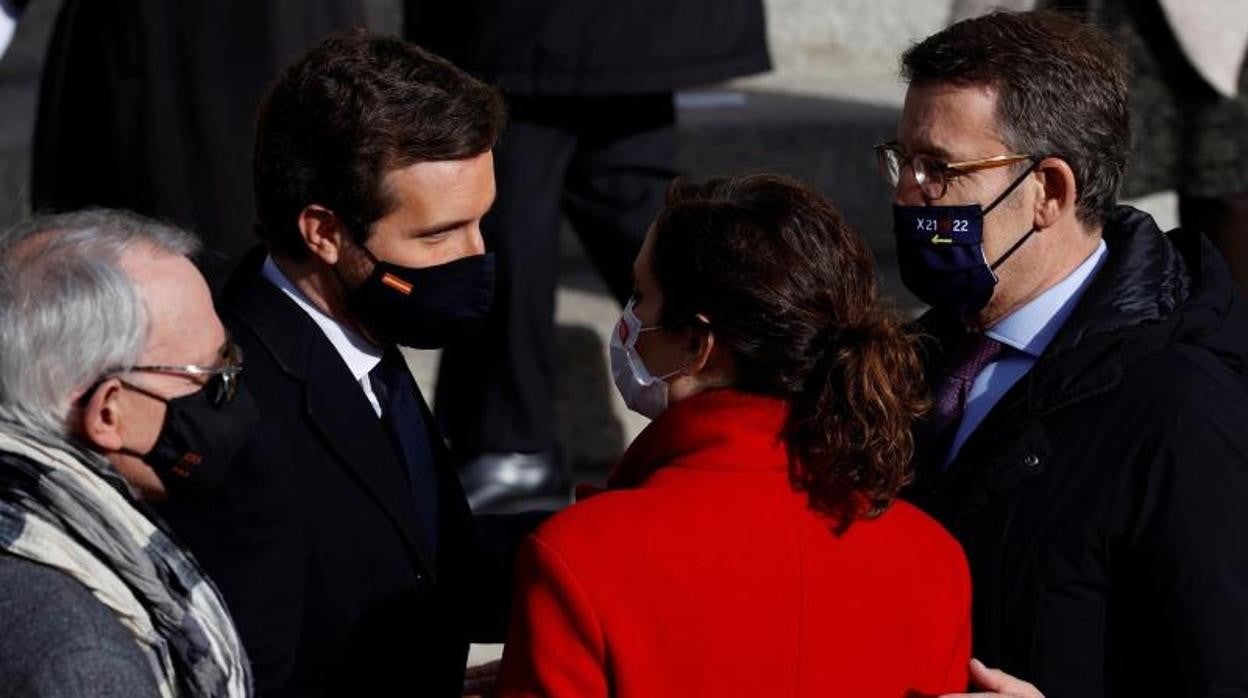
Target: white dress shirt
[359,354]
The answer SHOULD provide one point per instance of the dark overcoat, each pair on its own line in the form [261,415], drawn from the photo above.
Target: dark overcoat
[1103,502]
[314,539]
[150,105]
[575,48]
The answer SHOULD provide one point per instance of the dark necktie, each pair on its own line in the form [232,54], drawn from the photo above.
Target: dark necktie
[405,425]
[976,351]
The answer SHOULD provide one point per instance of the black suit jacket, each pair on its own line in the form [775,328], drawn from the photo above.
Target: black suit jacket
[313,537]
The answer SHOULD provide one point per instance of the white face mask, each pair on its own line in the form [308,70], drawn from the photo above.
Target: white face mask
[643,393]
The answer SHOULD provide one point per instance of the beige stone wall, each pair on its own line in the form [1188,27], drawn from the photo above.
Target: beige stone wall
[839,46]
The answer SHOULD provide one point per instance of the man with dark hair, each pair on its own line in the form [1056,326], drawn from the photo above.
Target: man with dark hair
[1087,442]
[343,542]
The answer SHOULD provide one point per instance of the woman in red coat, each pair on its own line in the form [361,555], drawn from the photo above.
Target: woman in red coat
[750,542]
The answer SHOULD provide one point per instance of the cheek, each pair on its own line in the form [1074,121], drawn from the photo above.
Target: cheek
[354,266]
[646,312]
[660,355]
[143,423]
[457,245]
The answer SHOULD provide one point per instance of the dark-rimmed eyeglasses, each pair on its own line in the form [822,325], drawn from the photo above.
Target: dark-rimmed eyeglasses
[930,174]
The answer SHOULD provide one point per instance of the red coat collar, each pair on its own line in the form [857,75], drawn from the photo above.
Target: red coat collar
[715,430]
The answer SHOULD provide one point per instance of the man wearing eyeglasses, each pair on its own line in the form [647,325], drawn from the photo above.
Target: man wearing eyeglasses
[117,384]
[1087,442]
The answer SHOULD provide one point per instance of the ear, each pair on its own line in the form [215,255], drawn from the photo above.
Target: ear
[101,417]
[1059,193]
[323,232]
[701,344]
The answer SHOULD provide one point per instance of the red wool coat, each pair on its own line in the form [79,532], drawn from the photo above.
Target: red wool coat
[712,577]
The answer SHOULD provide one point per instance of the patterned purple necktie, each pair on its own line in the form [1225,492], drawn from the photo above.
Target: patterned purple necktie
[976,351]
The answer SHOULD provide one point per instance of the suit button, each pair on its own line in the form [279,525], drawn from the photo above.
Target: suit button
[1031,460]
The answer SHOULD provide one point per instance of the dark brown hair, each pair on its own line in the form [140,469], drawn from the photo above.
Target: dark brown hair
[1061,87]
[789,290]
[353,108]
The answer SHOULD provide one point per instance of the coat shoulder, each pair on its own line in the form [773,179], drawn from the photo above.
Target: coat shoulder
[60,640]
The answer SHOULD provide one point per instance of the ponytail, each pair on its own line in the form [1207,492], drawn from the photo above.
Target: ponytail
[849,429]
[790,291]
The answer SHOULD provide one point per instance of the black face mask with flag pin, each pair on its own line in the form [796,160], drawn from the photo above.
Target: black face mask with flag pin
[426,307]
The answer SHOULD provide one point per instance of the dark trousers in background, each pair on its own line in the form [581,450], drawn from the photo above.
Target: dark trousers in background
[604,162]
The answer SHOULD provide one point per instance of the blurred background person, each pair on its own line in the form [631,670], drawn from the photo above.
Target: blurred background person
[10,10]
[117,383]
[150,105]
[592,136]
[750,542]
[1189,110]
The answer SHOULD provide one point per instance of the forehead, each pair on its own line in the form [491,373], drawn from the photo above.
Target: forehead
[434,192]
[953,122]
[183,326]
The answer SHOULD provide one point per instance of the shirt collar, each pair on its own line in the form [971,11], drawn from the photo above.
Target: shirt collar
[359,354]
[1030,328]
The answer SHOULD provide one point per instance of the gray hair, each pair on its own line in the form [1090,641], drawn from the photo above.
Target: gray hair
[69,313]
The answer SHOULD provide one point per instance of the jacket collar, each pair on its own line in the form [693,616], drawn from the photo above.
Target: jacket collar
[1146,277]
[721,429]
[334,404]
[360,355]
[1154,290]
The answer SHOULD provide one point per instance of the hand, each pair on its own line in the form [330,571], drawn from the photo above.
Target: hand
[479,680]
[996,683]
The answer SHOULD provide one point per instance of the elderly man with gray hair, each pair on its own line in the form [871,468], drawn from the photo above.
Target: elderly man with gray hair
[117,384]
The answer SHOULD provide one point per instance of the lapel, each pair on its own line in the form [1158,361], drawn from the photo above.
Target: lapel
[333,404]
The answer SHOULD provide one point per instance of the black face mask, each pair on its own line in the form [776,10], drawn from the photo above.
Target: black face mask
[428,307]
[940,253]
[200,437]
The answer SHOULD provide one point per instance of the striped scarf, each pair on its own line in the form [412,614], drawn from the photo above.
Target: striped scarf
[67,508]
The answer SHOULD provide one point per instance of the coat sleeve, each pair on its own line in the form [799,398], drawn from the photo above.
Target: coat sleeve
[555,647]
[490,581]
[1190,541]
[249,539]
[958,605]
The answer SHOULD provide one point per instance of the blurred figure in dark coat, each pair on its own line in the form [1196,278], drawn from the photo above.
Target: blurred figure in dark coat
[592,136]
[150,105]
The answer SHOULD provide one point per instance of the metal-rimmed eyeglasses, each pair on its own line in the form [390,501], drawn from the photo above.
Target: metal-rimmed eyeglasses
[222,383]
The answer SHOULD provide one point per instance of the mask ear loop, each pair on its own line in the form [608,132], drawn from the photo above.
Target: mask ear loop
[1035,160]
[702,325]
[1008,190]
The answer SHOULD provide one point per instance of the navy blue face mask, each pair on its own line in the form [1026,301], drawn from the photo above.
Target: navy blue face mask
[940,251]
